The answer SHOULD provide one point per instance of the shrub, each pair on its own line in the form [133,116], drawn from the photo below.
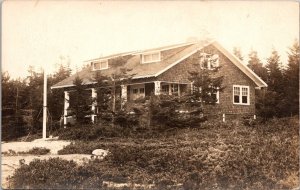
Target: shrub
[38,151]
[80,147]
[33,151]
[56,173]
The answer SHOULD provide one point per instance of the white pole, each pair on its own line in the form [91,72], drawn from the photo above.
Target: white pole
[223,117]
[45,105]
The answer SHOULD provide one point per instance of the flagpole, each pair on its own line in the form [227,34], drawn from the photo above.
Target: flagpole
[45,105]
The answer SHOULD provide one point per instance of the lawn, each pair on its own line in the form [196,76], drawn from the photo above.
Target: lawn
[231,155]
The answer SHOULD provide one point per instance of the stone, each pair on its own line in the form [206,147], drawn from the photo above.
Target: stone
[99,153]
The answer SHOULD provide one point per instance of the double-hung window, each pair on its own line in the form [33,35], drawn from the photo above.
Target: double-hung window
[151,57]
[100,65]
[241,95]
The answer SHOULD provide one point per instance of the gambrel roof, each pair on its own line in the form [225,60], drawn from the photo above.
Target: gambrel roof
[171,56]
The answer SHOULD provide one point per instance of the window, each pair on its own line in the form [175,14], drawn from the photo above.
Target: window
[241,95]
[216,96]
[142,90]
[135,90]
[174,89]
[151,57]
[209,61]
[100,65]
[165,89]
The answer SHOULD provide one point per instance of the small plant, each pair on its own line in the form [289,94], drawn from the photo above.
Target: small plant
[38,151]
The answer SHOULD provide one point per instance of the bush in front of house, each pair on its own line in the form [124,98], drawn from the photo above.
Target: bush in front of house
[56,173]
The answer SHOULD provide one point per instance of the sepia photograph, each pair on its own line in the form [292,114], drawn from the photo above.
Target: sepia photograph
[150,95]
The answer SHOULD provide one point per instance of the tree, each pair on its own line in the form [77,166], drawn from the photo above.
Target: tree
[291,76]
[237,52]
[256,66]
[80,101]
[205,80]
[275,75]
[56,96]
[103,99]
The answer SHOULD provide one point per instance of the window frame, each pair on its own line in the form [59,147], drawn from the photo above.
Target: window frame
[217,95]
[151,53]
[241,94]
[100,62]
[208,57]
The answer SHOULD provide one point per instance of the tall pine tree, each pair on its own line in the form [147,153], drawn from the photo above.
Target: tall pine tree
[255,64]
[291,75]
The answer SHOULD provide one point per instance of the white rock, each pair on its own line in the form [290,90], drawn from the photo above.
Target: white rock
[100,152]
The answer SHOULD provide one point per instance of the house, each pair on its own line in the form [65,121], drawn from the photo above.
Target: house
[164,70]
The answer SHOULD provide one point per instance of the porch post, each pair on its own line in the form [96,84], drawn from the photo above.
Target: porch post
[94,103]
[192,86]
[179,93]
[156,87]
[170,89]
[124,93]
[66,106]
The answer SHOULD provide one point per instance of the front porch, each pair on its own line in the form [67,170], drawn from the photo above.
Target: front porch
[130,93]
[136,91]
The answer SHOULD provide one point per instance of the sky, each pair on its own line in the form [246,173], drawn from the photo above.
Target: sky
[45,33]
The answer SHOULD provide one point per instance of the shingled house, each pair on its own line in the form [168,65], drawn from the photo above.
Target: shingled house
[164,70]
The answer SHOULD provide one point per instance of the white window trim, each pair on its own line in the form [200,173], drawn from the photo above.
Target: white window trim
[209,67]
[150,53]
[217,95]
[248,97]
[93,63]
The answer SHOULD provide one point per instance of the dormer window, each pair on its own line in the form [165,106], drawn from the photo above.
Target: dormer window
[151,57]
[100,65]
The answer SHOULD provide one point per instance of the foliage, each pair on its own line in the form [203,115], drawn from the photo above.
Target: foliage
[205,81]
[22,102]
[56,173]
[80,101]
[38,151]
[237,52]
[255,64]
[33,151]
[173,111]
[252,158]
[291,75]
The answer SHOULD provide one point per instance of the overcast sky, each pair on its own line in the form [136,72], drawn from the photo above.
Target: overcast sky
[37,33]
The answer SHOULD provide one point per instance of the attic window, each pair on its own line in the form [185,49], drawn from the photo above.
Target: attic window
[100,65]
[151,57]
[209,61]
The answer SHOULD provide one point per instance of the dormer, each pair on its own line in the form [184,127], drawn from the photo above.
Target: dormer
[100,65]
[150,57]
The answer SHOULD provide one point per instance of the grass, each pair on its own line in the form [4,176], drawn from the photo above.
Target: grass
[231,155]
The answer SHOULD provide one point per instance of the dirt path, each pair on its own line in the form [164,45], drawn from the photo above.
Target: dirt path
[53,145]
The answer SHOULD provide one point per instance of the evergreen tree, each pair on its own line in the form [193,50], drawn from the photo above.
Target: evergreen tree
[237,52]
[56,96]
[256,66]
[103,100]
[275,76]
[205,81]
[80,101]
[291,75]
